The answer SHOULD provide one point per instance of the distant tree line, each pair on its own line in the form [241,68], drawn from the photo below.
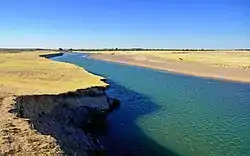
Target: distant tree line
[113,49]
[154,49]
[16,50]
[242,49]
[142,49]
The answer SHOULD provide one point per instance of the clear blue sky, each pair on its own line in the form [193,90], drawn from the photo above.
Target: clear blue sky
[125,23]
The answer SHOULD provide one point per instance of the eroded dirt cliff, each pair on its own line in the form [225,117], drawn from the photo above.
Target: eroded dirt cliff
[54,124]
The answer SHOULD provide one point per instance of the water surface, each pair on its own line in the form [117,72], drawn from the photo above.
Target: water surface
[172,114]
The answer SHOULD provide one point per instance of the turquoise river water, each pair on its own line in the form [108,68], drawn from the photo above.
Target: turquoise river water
[165,114]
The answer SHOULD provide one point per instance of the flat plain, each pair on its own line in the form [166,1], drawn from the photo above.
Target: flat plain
[227,65]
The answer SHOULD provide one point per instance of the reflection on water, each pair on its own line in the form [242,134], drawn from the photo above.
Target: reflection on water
[169,114]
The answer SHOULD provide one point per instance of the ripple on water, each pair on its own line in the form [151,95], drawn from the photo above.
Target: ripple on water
[192,116]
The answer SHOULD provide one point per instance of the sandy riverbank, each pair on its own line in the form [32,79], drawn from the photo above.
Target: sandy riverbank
[45,105]
[232,66]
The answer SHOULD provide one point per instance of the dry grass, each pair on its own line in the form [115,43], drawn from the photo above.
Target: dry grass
[223,59]
[228,59]
[27,73]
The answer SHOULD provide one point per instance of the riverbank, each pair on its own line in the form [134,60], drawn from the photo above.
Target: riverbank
[232,66]
[39,96]
[171,114]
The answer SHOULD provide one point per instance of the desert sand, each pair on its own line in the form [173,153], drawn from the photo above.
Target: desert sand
[232,66]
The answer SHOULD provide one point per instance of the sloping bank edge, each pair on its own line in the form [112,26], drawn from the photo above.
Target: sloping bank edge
[68,117]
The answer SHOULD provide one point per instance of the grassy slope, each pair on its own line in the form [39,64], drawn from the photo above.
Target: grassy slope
[27,73]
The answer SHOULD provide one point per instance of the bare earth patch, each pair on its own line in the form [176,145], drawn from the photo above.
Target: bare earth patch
[17,137]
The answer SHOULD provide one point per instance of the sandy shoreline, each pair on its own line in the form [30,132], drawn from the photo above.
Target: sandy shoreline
[181,67]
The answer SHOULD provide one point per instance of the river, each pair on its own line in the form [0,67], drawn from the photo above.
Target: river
[171,114]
